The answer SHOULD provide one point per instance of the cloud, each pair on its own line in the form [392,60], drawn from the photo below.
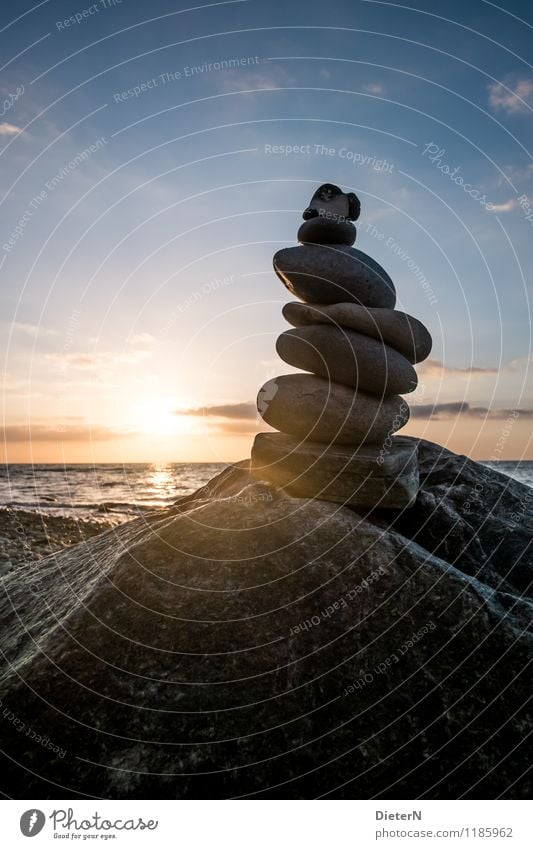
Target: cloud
[442,412]
[508,206]
[16,387]
[514,96]
[435,368]
[79,359]
[240,410]
[373,88]
[517,173]
[137,348]
[249,81]
[9,129]
[438,411]
[49,433]
[99,361]
[138,340]
[230,419]
[33,330]
[238,427]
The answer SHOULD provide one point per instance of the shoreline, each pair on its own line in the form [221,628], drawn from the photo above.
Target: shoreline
[28,536]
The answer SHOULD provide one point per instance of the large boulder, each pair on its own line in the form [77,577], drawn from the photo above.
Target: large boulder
[248,643]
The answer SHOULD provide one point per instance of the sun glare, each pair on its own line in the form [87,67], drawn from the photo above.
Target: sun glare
[158,417]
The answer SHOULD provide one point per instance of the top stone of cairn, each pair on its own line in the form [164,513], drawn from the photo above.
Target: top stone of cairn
[327,219]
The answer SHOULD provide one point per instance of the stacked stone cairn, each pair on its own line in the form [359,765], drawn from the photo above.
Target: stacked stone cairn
[336,421]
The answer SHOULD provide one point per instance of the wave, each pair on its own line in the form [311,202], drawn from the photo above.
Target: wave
[98,506]
[122,506]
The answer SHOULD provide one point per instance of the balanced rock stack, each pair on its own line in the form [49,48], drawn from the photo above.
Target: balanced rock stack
[337,421]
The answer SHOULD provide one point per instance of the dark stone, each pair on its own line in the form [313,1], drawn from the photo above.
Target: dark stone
[313,408]
[485,519]
[329,201]
[247,643]
[327,274]
[345,356]
[322,231]
[397,329]
[375,477]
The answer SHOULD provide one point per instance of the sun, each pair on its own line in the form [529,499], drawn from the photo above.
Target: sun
[158,416]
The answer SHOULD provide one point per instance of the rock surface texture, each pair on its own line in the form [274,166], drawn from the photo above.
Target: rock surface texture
[394,328]
[319,231]
[359,351]
[246,643]
[313,408]
[331,274]
[344,356]
[337,473]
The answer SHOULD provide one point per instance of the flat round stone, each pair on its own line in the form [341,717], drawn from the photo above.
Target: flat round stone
[331,274]
[365,476]
[344,356]
[323,231]
[313,408]
[397,329]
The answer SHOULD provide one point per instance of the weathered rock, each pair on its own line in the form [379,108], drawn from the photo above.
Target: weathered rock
[345,356]
[5,567]
[329,201]
[397,329]
[358,477]
[323,231]
[327,274]
[247,643]
[313,408]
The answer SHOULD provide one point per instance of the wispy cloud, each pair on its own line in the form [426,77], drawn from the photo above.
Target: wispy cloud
[438,411]
[233,419]
[239,410]
[139,340]
[450,410]
[236,428]
[17,388]
[431,368]
[514,96]
[373,88]
[33,330]
[507,206]
[267,77]
[7,129]
[137,349]
[517,173]
[49,433]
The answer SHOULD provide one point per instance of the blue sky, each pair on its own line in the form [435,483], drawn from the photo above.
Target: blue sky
[155,157]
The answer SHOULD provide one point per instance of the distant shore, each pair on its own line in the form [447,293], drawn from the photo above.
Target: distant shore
[27,536]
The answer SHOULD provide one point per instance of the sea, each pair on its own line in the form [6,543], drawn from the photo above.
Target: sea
[109,492]
[102,492]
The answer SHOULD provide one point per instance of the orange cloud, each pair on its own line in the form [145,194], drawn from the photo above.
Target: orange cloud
[49,433]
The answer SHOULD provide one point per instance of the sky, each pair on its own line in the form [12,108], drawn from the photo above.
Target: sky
[155,156]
